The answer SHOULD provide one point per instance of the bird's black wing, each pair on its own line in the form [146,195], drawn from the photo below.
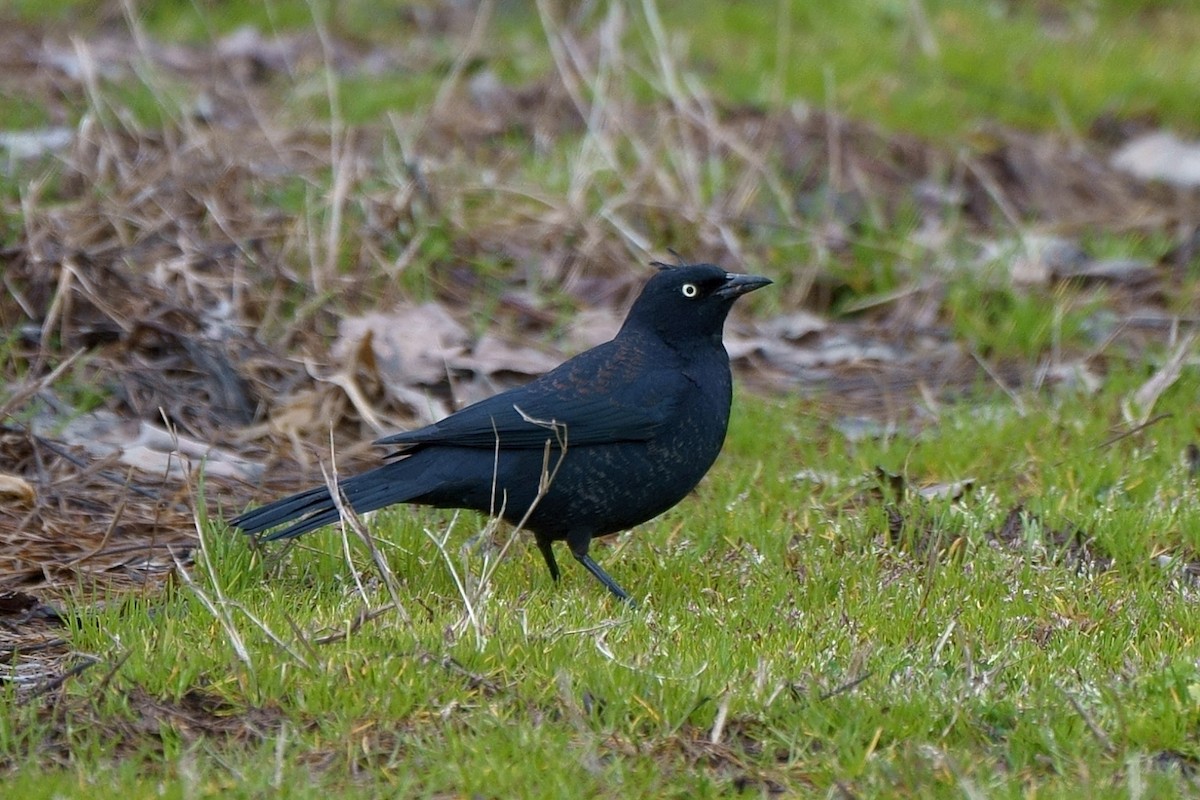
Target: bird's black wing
[602,396]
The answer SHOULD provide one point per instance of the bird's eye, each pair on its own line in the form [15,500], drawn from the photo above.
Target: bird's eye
[690,290]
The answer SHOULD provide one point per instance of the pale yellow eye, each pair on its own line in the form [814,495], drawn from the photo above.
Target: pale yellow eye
[690,290]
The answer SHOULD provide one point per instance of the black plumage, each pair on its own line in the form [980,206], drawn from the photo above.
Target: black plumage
[621,432]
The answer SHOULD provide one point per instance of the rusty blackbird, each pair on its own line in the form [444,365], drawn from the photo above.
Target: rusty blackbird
[607,440]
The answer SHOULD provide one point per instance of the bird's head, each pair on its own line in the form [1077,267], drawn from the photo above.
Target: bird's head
[689,302]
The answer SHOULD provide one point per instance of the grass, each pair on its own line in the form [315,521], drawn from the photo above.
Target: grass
[941,67]
[777,618]
[935,67]
[802,627]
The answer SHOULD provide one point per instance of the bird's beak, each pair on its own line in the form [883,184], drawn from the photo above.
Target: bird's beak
[738,285]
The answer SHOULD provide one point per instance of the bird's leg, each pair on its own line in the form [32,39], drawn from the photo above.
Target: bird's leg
[580,551]
[546,546]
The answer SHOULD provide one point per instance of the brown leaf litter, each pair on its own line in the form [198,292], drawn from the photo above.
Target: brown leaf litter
[89,527]
[86,535]
[139,732]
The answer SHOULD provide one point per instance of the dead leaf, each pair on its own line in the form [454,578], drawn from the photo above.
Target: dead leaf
[1161,156]
[1035,258]
[12,486]
[492,355]
[412,344]
[1128,271]
[149,448]
[35,143]
[947,491]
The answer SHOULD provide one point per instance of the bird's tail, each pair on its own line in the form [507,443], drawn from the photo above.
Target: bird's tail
[314,508]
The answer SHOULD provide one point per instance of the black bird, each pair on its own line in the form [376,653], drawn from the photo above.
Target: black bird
[614,436]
